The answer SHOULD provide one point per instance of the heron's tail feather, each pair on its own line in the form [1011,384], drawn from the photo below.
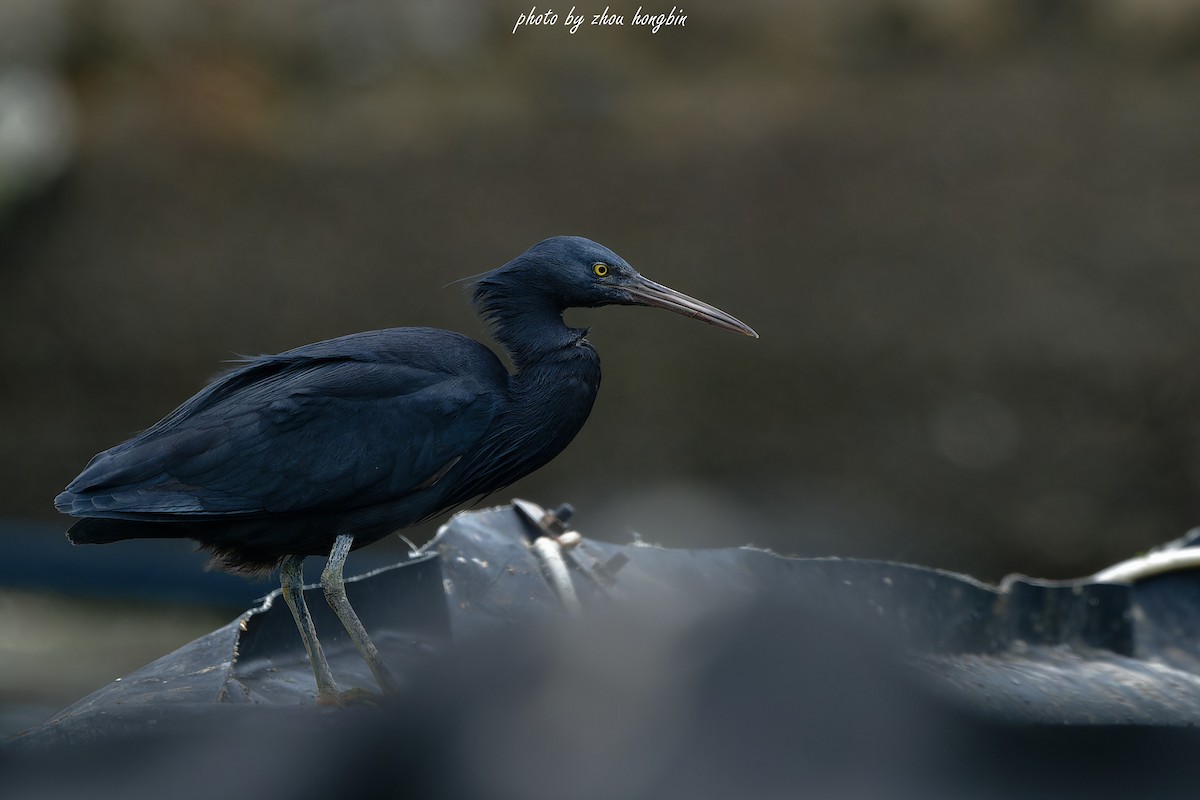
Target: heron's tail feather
[98,530]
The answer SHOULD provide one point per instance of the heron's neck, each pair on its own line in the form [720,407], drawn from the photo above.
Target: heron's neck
[529,326]
[557,371]
[553,389]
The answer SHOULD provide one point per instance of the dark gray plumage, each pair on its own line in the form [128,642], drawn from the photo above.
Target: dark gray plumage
[333,445]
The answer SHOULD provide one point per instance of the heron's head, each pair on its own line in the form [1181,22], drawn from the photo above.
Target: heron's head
[574,272]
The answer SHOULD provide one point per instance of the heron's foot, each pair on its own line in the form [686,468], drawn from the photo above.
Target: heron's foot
[350,697]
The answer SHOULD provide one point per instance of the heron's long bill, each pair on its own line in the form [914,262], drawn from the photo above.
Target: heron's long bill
[646,292]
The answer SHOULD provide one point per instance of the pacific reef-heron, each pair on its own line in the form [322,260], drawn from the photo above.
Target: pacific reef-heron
[331,446]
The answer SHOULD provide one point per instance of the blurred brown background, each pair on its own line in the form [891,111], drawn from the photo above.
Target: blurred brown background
[966,231]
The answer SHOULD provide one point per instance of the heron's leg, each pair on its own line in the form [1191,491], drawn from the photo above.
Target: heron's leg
[291,578]
[334,585]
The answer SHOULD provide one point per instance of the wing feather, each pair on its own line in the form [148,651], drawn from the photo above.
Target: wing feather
[297,432]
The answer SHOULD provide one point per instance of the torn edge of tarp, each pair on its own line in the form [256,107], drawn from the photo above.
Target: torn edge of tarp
[1119,647]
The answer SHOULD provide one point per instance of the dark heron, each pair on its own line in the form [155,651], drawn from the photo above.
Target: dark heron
[334,445]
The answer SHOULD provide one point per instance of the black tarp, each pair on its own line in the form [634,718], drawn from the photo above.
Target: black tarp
[685,663]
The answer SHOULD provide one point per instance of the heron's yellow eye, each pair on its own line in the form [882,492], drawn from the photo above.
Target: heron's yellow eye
[600,269]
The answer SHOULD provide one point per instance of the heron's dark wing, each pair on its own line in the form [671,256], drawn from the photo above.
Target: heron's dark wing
[293,433]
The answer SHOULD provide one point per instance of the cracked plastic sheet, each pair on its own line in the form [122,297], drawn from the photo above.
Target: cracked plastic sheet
[1028,652]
